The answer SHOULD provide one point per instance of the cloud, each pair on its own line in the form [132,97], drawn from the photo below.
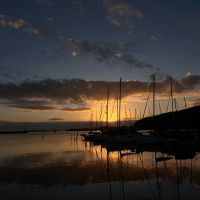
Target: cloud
[7,74]
[74,94]
[30,104]
[189,83]
[19,24]
[74,91]
[56,119]
[107,52]
[77,109]
[121,14]
[45,104]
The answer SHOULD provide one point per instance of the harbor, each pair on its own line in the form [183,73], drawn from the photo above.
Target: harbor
[74,168]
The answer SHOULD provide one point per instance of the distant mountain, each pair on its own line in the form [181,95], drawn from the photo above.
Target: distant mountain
[183,119]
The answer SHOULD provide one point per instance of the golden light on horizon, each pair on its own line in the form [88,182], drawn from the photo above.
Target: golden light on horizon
[132,108]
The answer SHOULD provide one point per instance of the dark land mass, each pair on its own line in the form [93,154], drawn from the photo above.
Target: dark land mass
[183,119]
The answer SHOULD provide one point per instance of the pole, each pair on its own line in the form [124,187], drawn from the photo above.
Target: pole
[120,96]
[107,107]
[154,91]
[185,103]
[172,98]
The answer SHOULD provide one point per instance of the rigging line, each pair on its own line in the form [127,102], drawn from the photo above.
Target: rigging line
[102,114]
[122,182]
[136,115]
[168,174]
[112,170]
[111,162]
[160,107]
[112,109]
[147,176]
[109,178]
[168,104]
[178,106]
[89,121]
[99,160]
[147,100]
[130,117]
[167,170]
[157,180]
[177,179]
[191,174]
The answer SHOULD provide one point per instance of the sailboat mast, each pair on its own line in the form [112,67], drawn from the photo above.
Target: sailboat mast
[154,91]
[160,107]
[135,114]
[120,96]
[185,103]
[172,98]
[107,107]
[117,111]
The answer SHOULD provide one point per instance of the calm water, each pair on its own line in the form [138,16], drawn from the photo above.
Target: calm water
[62,166]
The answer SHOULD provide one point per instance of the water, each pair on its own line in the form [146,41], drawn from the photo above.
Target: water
[62,166]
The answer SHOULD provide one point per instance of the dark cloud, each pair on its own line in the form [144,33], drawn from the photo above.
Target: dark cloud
[70,91]
[8,21]
[77,109]
[30,104]
[187,83]
[8,74]
[56,119]
[72,95]
[47,104]
[107,52]
[191,81]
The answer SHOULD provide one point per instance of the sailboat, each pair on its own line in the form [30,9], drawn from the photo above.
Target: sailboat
[119,130]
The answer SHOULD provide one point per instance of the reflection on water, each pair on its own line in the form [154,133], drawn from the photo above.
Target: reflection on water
[62,166]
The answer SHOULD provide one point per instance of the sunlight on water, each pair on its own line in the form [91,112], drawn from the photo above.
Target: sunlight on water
[62,166]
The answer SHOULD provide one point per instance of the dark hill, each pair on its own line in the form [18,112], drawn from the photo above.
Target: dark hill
[183,119]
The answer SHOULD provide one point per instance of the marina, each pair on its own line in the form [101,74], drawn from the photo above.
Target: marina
[63,165]
[99,100]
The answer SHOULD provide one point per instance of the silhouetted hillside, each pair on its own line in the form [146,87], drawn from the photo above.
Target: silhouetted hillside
[187,118]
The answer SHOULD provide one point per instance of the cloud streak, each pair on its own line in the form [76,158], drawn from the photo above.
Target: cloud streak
[107,52]
[56,119]
[77,109]
[19,24]
[30,104]
[121,14]
[113,54]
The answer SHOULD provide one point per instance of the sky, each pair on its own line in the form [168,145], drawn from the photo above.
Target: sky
[57,57]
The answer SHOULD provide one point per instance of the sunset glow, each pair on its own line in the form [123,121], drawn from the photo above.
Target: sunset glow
[58,65]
